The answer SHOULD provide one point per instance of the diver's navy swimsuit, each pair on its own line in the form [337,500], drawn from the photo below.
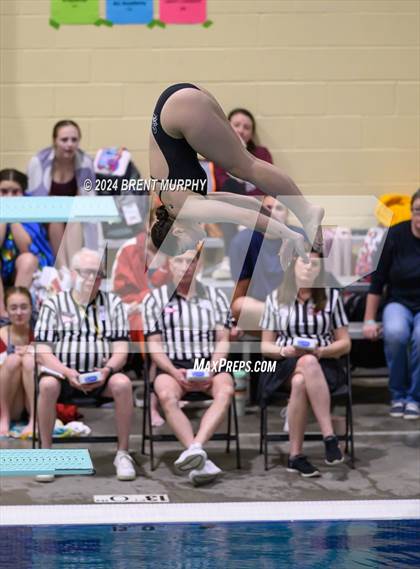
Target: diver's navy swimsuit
[181,157]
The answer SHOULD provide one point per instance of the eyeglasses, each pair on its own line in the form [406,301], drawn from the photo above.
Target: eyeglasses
[86,273]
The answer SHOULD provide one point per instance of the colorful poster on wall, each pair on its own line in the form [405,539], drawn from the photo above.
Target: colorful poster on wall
[129,11]
[182,11]
[74,12]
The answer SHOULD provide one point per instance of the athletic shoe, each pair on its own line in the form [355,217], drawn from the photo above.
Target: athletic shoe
[123,463]
[412,411]
[45,477]
[302,466]
[333,454]
[397,409]
[204,475]
[193,457]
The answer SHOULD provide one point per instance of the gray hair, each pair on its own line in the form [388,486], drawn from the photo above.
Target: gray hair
[75,262]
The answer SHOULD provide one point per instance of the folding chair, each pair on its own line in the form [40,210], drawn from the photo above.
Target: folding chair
[83,402]
[342,393]
[148,434]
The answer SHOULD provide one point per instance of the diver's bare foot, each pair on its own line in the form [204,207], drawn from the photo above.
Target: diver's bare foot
[312,226]
[291,247]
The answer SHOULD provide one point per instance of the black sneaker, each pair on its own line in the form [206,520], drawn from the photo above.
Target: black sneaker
[333,454]
[301,465]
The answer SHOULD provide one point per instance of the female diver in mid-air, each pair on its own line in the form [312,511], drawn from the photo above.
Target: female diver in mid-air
[188,120]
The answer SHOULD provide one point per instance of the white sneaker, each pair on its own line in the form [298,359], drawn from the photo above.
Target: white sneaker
[412,411]
[204,475]
[194,457]
[123,463]
[223,270]
[45,477]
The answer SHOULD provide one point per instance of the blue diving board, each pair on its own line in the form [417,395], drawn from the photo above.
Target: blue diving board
[30,462]
[48,209]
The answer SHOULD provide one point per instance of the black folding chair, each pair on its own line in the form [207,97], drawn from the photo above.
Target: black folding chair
[83,402]
[343,393]
[149,435]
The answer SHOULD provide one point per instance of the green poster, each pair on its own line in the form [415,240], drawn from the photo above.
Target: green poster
[74,12]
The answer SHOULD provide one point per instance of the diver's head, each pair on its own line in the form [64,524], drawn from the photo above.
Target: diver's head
[174,237]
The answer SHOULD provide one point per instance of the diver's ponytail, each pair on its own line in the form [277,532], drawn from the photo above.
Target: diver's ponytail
[161,235]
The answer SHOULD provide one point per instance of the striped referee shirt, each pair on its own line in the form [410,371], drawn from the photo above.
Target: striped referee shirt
[301,319]
[188,326]
[81,336]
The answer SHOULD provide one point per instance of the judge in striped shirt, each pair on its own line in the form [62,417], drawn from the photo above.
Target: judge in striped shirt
[302,308]
[83,330]
[186,323]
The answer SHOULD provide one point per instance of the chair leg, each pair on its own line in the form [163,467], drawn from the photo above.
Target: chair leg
[143,437]
[265,429]
[35,402]
[238,448]
[346,447]
[349,415]
[149,421]
[351,434]
[229,425]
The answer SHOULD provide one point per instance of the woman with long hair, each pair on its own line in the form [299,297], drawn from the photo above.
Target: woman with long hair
[24,247]
[244,124]
[301,311]
[62,170]
[17,362]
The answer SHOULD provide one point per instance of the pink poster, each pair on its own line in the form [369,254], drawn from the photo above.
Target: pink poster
[182,11]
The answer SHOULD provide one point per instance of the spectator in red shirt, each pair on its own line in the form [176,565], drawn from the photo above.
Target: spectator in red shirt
[132,282]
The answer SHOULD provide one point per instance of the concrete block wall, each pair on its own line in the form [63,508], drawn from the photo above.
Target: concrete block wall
[334,84]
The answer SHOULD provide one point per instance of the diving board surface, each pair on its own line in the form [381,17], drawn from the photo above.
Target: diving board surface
[48,209]
[30,462]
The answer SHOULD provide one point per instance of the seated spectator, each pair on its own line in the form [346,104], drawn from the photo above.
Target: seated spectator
[17,362]
[61,170]
[133,278]
[185,322]
[256,269]
[83,330]
[390,210]
[132,282]
[399,269]
[302,308]
[244,124]
[369,251]
[23,246]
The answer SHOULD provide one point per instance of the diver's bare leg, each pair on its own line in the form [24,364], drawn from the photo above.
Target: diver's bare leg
[196,115]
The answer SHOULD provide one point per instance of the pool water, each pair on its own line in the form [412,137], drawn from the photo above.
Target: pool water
[253,545]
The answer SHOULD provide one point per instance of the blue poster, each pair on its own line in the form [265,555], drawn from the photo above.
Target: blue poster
[129,11]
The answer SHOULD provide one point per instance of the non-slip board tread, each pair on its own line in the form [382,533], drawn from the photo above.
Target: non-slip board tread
[29,462]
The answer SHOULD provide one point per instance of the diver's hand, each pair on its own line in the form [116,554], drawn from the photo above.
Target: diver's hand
[290,247]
